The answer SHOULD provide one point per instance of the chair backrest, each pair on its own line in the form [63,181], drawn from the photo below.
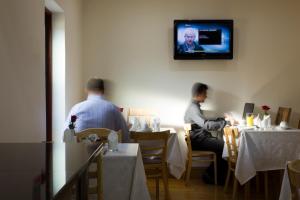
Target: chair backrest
[248,108]
[187,129]
[230,140]
[299,124]
[294,177]
[283,114]
[140,113]
[102,133]
[157,149]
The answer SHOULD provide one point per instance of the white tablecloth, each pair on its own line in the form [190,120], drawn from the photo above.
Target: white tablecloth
[124,175]
[285,192]
[177,154]
[265,150]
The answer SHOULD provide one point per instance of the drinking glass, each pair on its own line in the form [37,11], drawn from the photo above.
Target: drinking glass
[250,119]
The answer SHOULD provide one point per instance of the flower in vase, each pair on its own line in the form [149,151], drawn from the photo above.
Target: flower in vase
[265,108]
[72,123]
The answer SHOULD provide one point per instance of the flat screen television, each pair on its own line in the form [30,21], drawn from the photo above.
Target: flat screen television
[203,39]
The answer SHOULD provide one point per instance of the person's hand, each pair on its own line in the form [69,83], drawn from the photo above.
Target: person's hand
[227,117]
[129,125]
[231,119]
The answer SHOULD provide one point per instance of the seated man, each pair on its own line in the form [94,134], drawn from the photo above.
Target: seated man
[96,112]
[201,137]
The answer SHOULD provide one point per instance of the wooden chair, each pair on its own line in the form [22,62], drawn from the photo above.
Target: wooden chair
[203,156]
[299,124]
[294,177]
[102,133]
[154,156]
[230,135]
[98,175]
[283,114]
[70,190]
[232,148]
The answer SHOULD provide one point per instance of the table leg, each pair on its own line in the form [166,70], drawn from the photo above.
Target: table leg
[247,190]
[266,185]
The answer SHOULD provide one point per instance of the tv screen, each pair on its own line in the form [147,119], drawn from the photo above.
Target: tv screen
[203,39]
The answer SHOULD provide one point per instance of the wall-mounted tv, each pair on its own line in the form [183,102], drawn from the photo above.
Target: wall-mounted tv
[203,39]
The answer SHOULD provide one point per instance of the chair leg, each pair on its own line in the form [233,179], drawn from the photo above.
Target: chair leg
[188,172]
[157,188]
[235,185]
[165,180]
[215,170]
[227,180]
[266,185]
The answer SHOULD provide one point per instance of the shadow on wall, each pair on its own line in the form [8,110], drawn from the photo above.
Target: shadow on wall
[277,92]
[109,86]
[223,102]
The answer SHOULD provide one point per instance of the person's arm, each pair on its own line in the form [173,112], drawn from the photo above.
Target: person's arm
[121,125]
[210,125]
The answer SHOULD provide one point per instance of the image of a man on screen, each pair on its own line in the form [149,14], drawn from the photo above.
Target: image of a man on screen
[190,44]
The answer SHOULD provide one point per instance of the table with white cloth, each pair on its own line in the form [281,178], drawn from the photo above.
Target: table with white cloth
[264,150]
[124,175]
[285,192]
[177,153]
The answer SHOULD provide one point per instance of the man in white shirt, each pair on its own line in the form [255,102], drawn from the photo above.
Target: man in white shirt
[96,112]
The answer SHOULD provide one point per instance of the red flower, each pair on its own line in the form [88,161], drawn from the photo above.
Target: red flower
[73,118]
[265,107]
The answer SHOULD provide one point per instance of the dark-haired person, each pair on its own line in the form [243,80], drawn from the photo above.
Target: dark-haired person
[97,112]
[201,138]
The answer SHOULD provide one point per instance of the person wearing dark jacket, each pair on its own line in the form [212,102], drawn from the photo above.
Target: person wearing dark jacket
[201,137]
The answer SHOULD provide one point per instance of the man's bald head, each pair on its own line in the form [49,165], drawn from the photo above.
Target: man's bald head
[95,85]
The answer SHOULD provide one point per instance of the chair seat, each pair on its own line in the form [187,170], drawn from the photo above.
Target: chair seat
[154,160]
[202,153]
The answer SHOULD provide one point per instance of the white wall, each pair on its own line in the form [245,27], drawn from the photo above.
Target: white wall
[22,77]
[130,43]
[22,64]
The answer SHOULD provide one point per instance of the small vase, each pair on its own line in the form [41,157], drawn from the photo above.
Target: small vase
[69,136]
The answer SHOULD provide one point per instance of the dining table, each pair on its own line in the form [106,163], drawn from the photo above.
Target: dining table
[176,153]
[124,175]
[265,150]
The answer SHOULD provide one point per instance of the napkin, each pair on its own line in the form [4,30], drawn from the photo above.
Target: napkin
[144,126]
[136,125]
[266,122]
[257,121]
[156,124]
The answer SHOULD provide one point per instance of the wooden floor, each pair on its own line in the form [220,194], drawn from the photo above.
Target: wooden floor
[198,190]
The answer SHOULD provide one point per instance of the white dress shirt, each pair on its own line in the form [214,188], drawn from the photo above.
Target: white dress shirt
[96,112]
